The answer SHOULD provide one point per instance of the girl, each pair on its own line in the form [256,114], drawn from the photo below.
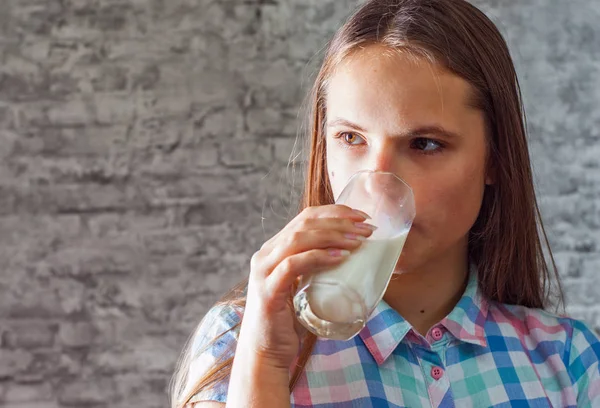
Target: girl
[425,89]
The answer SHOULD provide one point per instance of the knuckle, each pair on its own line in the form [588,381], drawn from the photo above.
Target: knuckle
[314,257]
[343,207]
[306,211]
[255,260]
[310,211]
[295,236]
[305,223]
[336,236]
[287,264]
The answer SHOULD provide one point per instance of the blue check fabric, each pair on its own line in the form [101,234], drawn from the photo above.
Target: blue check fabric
[483,354]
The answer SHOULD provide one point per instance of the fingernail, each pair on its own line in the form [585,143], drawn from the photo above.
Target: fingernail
[355,237]
[339,252]
[365,226]
[364,214]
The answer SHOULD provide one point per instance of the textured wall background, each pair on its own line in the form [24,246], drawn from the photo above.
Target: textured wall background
[142,141]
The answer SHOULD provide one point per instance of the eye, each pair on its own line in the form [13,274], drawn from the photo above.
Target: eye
[426,146]
[351,138]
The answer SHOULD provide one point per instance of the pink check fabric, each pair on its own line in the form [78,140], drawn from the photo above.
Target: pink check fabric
[483,354]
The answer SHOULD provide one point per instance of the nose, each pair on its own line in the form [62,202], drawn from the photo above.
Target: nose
[385,158]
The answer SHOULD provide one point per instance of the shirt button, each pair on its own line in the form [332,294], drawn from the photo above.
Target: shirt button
[437,334]
[437,373]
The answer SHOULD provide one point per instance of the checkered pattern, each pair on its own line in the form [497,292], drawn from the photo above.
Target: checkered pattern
[490,355]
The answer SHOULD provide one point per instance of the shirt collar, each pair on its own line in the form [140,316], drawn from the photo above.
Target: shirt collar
[386,328]
[466,321]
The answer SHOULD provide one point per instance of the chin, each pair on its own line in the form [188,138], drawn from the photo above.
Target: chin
[402,266]
[410,259]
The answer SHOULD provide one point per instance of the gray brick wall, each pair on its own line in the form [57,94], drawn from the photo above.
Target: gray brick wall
[143,153]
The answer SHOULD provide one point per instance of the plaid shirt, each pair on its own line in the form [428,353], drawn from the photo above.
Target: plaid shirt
[483,354]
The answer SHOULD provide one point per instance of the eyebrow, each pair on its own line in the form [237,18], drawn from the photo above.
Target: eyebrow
[420,131]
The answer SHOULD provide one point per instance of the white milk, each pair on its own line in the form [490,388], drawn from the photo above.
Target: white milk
[367,271]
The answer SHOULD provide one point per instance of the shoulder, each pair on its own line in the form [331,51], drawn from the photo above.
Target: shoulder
[220,320]
[213,343]
[584,351]
[217,332]
[573,338]
[532,322]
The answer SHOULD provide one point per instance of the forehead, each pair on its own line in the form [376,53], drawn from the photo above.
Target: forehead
[378,82]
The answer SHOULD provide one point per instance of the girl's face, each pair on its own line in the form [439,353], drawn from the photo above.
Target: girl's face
[388,113]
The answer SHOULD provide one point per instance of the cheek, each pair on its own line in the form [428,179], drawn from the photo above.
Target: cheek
[339,170]
[449,206]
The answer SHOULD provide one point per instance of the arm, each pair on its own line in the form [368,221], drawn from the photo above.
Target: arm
[255,383]
[584,366]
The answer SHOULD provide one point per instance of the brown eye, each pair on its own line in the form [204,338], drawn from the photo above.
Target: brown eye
[351,138]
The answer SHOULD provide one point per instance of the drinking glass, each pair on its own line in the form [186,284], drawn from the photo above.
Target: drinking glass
[337,303]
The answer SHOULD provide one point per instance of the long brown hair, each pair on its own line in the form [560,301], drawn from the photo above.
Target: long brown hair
[507,241]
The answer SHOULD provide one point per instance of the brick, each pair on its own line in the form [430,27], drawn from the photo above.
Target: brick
[31,115]
[220,122]
[149,354]
[106,78]
[8,141]
[115,296]
[274,77]
[183,162]
[85,392]
[29,334]
[38,17]
[35,49]
[569,264]
[216,212]
[97,260]
[76,334]
[13,362]
[164,134]
[75,199]
[51,363]
[163,243]
[7,117]
[207,186]
[166,103]
[264,122]
[72,170]
[77,112]
[288,150]
[28,393]
[31,404]
[23,300]
[113,108]
[246,153]
[209,155]
[214,87]
[108,224]
[17,88]
[147,391]
[590,267]
[16,229]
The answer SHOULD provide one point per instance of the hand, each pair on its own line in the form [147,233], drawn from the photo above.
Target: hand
[319,238]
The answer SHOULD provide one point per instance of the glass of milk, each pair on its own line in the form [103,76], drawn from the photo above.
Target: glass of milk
[336,304]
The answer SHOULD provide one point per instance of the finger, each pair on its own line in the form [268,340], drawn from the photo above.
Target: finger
[343,225]
[330,211]
[284,276]
[303,241]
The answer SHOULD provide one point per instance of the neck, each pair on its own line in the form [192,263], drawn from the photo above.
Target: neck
[426,295]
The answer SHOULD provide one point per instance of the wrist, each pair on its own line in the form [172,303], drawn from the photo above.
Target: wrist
[257,383]
[261,367]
